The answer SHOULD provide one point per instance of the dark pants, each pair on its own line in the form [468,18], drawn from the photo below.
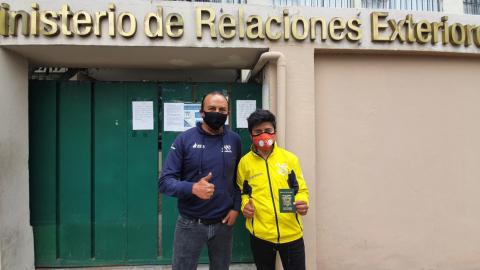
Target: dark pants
[264,253]
[191,237]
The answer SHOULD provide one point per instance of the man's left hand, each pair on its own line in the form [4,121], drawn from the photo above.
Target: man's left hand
[231,217]
[302,207]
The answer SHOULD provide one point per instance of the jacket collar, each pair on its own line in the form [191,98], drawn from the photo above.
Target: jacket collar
[253,148]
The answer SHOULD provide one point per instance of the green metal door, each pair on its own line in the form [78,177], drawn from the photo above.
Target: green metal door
[92,178]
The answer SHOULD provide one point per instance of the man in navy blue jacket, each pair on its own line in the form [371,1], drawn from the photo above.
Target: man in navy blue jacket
[200,170]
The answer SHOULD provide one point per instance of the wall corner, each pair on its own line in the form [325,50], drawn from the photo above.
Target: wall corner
[16,236]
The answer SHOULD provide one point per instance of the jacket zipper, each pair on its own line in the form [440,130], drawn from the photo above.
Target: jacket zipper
[273,202]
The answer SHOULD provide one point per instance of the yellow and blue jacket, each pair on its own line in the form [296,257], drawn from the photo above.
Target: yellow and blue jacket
[260,180]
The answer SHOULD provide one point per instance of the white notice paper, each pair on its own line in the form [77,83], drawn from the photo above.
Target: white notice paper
[173,117]
[244,109]
[142,114]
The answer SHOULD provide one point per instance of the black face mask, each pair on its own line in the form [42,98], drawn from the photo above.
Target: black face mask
[215,120]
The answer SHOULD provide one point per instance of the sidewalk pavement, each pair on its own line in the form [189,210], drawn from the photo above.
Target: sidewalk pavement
[233,266]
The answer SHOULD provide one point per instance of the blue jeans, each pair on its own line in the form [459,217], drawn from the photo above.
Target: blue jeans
[191,237]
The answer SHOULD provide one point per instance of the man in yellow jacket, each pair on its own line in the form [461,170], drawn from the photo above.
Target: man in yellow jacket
[274,194]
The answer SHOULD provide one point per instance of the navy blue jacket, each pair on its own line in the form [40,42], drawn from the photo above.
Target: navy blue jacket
[193,155]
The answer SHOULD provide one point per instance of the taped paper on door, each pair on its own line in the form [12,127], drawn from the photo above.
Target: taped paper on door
[142,115]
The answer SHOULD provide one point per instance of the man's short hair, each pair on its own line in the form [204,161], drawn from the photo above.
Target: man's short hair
[260,116]
[213,93]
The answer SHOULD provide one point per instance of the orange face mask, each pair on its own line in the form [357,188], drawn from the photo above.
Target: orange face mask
[264,140]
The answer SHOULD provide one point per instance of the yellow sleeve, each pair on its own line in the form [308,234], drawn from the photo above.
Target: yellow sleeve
[240,180]
[302,194]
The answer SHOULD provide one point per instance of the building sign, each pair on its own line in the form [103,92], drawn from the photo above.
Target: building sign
[229,26]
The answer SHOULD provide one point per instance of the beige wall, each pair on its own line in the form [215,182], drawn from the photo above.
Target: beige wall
[299,125]
[397,154]
[16,239]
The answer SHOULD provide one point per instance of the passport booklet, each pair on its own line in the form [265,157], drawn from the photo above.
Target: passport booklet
[287,198]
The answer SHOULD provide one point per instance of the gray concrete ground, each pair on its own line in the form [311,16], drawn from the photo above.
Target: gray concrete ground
[233,266]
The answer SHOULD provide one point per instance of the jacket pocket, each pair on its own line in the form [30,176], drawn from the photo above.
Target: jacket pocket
[183,223]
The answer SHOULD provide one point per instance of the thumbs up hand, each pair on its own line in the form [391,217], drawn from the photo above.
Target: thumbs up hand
[249,209]
[203,189]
